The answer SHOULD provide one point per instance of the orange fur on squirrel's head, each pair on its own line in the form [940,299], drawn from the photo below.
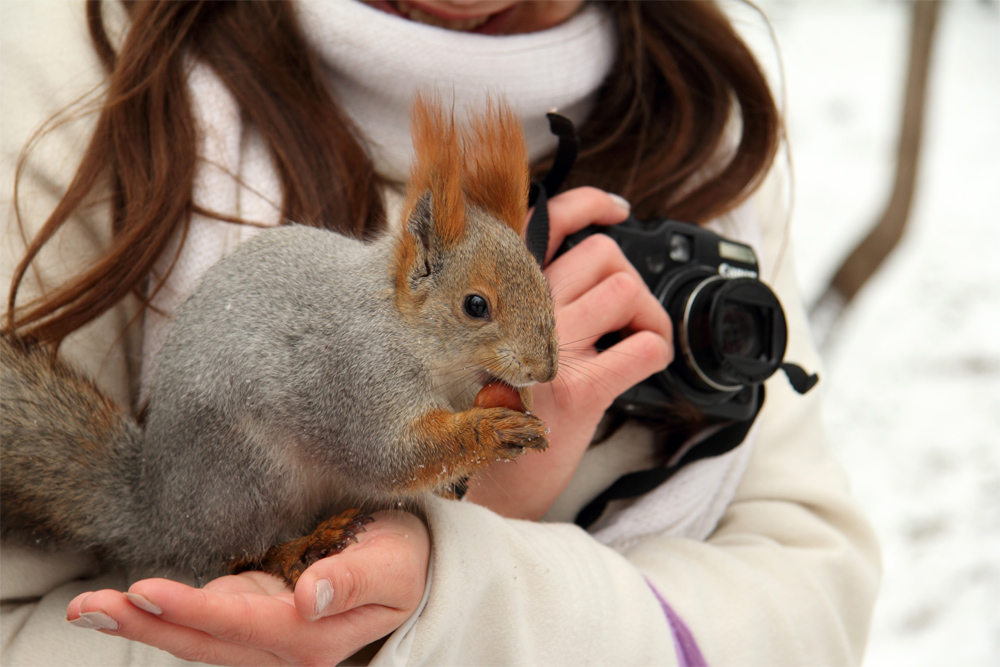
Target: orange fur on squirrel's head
[437,169]
[485,165]
[496,162]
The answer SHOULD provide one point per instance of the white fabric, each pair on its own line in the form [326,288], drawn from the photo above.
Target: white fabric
[377,62]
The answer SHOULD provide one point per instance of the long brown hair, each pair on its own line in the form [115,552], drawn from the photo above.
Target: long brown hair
[663,118]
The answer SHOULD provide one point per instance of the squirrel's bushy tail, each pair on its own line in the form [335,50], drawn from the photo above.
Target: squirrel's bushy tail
[67,457]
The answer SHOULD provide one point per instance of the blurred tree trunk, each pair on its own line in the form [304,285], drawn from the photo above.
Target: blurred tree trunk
[866,258]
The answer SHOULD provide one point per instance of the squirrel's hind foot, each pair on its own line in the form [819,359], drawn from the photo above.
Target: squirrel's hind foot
[290,559]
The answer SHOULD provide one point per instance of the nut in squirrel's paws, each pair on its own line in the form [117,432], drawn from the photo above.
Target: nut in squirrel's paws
[499,394]
[289,560]
[509,428]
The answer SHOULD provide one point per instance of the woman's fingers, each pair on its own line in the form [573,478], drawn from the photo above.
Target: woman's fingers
[116,614]
[219,626]
[619,368]
[594,259]
[578,208]
[618,303]
[349,600]
[240,617]
[596,290]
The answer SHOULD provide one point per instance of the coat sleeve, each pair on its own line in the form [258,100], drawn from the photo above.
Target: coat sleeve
[788,577]
[48,65]
[791,573]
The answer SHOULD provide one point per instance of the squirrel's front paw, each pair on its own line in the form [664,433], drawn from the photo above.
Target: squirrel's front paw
[507,433]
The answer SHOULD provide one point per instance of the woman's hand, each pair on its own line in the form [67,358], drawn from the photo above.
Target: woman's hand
[595,290]
[340,604]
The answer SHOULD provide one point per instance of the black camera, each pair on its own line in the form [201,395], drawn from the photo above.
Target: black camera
[729,327]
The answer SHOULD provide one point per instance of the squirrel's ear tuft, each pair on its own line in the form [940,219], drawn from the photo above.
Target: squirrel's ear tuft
[437,169]
[496,162]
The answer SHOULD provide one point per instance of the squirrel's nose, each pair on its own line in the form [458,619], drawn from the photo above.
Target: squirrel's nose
[550,374]
[543,369]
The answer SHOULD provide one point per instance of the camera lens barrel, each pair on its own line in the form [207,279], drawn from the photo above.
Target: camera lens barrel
[729,332]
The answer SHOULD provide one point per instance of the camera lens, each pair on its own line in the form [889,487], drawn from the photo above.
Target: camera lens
[743,329]
[730,332]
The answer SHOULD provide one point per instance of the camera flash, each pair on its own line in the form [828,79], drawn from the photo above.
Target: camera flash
[737,252]
[680,248]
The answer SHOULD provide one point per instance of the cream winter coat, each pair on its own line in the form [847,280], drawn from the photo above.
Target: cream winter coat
[786,573]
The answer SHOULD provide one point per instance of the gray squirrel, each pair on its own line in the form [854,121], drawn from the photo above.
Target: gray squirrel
[306,373]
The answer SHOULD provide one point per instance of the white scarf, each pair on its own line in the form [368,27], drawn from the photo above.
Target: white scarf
[375,63]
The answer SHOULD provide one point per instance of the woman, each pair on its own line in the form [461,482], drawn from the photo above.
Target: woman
[306,105]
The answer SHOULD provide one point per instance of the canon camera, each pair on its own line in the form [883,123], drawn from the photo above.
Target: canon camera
[729,327]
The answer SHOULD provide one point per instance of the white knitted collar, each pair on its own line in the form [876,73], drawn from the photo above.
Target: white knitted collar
[376,62]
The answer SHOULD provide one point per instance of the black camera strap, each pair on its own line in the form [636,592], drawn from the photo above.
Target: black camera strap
[800,380]
[635,484]
[538,196]
[721,441]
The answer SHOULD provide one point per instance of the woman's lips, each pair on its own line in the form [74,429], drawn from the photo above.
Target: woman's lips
[489,24]
[434,18]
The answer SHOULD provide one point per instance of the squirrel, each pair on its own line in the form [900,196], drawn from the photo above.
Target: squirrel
[307,372]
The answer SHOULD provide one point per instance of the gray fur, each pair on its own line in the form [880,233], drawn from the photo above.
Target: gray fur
[287,387]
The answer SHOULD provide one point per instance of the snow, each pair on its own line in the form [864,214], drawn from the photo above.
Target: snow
[912,381]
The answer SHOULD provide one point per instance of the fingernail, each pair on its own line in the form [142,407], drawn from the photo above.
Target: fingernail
[81,622]
[324,596]
[96,620]
[621,202]
[143,603]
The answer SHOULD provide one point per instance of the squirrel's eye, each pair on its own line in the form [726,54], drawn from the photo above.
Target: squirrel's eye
[476,307]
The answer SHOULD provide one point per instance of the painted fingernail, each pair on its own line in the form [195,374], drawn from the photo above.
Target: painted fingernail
[324,596]
[143,603]
[97,620]
[621,202]
[81,622]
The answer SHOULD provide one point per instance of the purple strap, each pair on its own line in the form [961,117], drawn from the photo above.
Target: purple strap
[688,654]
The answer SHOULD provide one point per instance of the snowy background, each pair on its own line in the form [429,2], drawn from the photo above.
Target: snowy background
[912,383]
